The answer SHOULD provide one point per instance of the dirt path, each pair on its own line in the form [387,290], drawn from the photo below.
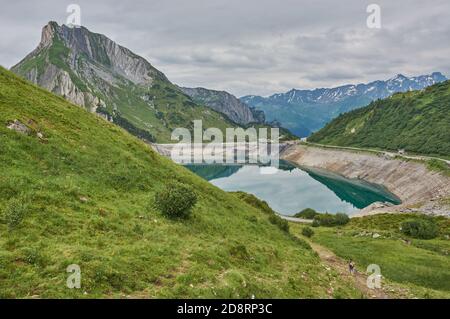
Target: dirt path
[341,266]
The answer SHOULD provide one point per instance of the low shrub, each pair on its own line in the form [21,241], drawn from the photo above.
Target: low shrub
[331,220]
[341,219]
[254,201]
[279,222]
[307,213]
[420,228]
[239,251]
[307,232]
[175,200]
[15,212]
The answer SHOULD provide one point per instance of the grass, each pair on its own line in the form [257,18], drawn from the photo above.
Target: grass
[87,189]
[421,265]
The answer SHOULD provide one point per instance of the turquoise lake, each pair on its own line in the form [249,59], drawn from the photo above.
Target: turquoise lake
[293,189]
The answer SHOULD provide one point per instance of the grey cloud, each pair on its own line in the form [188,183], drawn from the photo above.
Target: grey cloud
[253,46]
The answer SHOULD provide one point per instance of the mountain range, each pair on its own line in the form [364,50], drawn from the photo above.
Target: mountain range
[306,111]
[416,121]
[93,71]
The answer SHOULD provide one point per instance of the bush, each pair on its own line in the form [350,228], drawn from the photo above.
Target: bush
[307,232]
[307,213]
[330,220]
[175,200]
[255,202]
[341,219]
[420,228]
[280,222]
[239,251]
[15,213]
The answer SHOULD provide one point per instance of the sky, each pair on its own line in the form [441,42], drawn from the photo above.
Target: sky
[253,46]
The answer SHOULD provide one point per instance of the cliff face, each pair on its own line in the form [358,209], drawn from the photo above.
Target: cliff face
[227,104]
[419,188]
[73,62]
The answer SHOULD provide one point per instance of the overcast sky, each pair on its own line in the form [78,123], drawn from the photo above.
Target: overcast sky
[253,46]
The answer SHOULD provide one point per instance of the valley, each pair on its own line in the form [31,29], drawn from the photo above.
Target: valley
[88,181]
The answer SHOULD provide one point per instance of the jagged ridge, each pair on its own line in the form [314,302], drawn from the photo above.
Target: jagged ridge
[304,111]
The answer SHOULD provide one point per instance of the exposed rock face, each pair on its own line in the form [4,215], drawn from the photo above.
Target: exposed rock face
[227,104]
[412,182]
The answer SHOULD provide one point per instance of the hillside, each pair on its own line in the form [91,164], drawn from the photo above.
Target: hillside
[93,71]
[306,111]
[417,121]
[420,266]
[227,104]
[76,189]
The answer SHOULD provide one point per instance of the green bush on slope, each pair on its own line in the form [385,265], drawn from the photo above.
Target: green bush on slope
[175,200]
[420,228]
[330,220]
[307,213]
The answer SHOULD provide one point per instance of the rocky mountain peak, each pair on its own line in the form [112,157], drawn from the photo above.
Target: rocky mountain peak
[48,32]
[101,51]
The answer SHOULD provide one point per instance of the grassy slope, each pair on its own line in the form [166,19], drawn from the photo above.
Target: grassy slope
[417,121]
[423,266]
[123,246]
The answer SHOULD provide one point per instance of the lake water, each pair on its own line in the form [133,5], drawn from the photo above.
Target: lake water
[293,189]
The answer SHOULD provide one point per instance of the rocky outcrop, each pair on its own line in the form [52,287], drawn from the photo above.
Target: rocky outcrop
[227,104]
[19,127]
[418,188]
[75,55]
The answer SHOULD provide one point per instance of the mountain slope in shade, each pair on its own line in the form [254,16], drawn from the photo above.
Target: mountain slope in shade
[305,111]
[417,121]
[81,191]
[227,104]
[93,71]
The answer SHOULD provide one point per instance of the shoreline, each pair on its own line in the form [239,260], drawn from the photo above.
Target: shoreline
[419,189]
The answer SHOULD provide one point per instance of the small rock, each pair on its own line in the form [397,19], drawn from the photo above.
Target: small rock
[18,127]
[83,199]
[376,235]
[40,135]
